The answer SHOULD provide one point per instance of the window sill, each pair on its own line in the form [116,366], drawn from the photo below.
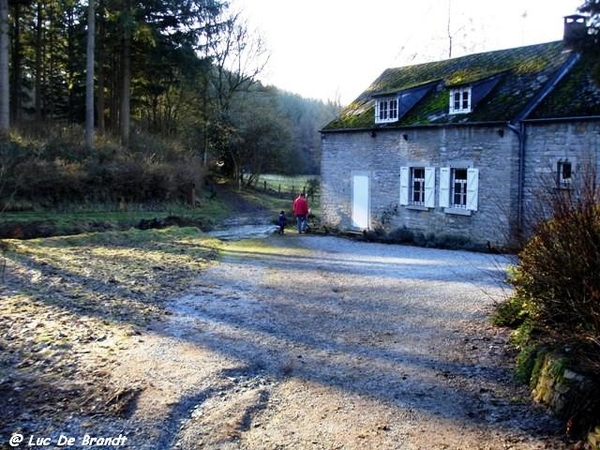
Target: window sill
[458,211]
[417,208]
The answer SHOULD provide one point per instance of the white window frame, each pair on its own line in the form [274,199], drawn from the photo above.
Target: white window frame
[425,185]
[386,110]
[458,188]
[447,189]
[564,175]
[460,100]
[417,186]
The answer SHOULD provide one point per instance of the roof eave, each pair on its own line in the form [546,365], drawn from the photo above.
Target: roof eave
[375,127]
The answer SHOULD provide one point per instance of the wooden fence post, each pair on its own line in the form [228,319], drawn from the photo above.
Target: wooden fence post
[193,196]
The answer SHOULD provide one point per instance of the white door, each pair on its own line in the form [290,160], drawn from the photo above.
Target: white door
[360,201]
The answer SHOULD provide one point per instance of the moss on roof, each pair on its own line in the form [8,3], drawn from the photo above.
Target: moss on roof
[576,95]
[522,72]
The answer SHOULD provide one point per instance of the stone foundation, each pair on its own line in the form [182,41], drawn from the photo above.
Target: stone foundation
[572,396]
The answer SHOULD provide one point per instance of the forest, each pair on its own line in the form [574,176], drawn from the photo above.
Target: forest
[122,99]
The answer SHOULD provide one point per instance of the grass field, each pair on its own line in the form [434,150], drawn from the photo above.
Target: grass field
[210,209]
[278,191]
[287,184]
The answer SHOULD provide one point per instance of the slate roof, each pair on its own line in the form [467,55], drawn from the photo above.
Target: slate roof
[507,85]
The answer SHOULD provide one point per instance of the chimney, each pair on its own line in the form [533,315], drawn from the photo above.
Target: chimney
[575,29]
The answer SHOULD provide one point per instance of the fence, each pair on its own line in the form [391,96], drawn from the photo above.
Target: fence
[290,187]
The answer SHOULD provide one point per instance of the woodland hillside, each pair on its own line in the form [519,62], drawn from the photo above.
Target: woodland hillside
[138,100]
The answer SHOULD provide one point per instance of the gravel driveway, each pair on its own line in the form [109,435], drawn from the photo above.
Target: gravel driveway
[308,342]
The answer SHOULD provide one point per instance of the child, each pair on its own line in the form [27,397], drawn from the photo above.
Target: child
[282,221]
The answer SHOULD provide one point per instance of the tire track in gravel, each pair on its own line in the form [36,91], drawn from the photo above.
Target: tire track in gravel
[322,342]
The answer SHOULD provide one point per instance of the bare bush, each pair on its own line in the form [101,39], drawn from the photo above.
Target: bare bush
[48,173]
[558,268]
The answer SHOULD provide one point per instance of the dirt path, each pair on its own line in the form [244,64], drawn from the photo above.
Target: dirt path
[306,342]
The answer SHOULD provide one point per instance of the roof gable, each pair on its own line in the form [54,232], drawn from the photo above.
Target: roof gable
[504,82]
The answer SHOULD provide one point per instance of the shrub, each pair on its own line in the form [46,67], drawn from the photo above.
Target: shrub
[454,241]
[529,364]
[558,268]
[402,235]
[313,187]
[513,312]
[420,239]
[60,170]
[48,181]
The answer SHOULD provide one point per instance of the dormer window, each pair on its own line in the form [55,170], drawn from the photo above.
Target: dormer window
[386,110]
[460,100]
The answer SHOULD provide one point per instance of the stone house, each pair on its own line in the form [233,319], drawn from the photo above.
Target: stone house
[463,147]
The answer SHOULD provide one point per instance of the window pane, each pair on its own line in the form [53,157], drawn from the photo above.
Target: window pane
[459,188]
[564,174]
[393,109]
[418,185]
[460,174]
[457,100]
[382,110]
[566,171]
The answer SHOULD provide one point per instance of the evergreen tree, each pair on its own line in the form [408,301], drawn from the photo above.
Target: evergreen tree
[589,43]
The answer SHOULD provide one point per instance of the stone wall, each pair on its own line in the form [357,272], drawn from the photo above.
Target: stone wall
[571,396]
[548,143]
[491,151]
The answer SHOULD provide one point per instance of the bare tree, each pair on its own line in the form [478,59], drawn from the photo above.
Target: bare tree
[238,57]
[448,31]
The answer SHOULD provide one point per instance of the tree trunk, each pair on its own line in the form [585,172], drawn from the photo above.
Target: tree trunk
[39,46]
[89,82]
[113,82]
[15,92]
[100,124]
[126,76]
[71,58]
[50,64]
[4,88]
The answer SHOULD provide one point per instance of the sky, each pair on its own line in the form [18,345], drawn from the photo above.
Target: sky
[334,49]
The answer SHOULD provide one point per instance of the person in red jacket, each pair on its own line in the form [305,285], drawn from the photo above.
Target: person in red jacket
[300,208]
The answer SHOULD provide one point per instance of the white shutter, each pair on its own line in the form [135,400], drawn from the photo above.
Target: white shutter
[472,189]
[430,187]
[404,182]
[444,187]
